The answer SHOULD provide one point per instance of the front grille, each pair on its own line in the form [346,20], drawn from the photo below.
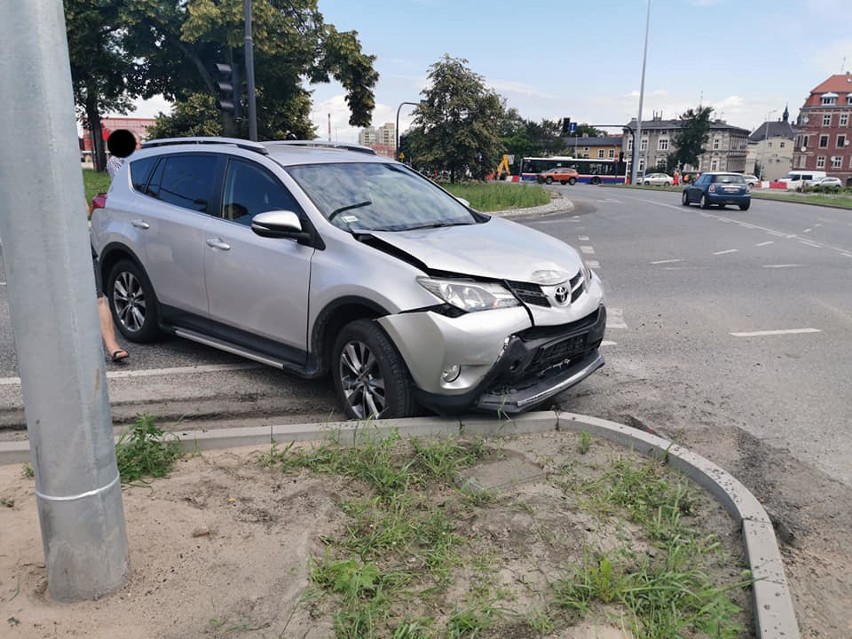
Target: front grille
[557,353]
[528,293]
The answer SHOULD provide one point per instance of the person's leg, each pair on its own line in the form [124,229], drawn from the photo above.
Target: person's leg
[115,351]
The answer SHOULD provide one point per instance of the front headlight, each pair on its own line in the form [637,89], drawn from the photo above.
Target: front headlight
[468,295]
[587,277]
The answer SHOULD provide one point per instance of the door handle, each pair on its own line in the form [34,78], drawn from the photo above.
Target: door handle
[217,242]
[140,224]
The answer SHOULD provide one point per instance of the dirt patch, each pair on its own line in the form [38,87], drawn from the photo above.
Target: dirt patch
[223,548]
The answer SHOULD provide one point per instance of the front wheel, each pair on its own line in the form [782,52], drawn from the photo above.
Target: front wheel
[133,302]
[572,181]
[548,180]
[668,183]
[370,377]
[684,199]
[647,183]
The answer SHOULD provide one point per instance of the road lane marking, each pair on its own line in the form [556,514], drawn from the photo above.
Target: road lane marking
[766,243]
[665,262]
[606,342]
[780,265]
[587,250]
[2,283]
[807,231]
[789,331]
[593,264]
[747,225]
[726,252]
[809,243]
[153,372]
[583,238]
[615,318]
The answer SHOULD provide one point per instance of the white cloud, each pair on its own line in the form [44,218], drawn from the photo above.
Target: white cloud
[520,88]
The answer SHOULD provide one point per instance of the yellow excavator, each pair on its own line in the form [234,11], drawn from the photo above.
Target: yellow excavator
[502,171]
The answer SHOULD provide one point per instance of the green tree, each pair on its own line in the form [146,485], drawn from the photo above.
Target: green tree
[457,126]
[103,77]
[690,139]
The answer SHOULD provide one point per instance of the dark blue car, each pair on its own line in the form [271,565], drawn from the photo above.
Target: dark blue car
[718,188]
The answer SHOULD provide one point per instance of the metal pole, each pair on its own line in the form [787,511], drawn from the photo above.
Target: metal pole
[250,90]
[51,292]
[638,138]
[396,145]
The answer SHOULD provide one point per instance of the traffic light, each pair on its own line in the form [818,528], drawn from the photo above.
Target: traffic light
[403,152]
[228,88]
[566,125]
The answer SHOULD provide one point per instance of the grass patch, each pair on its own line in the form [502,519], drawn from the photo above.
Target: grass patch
[95,182]
[143,450]
[500,196]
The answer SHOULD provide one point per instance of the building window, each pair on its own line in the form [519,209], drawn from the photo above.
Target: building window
[841,141]
[643,145]
[820,162]
[805,140]
[844,119]
[641,164]
[714,165]
[600,153]
[663,145]
[612,153]
[716,145]
[836,161]
[829,99]
[782,145]
[826,119]
[661,162]
[630,144]
[823,141]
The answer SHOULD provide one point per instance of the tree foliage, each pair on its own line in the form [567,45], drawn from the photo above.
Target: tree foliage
[456,127]
[690,139]
[174,46]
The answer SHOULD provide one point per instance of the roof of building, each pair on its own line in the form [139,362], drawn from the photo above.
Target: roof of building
[658,124]
[602,140]
[840,83]
[780,129]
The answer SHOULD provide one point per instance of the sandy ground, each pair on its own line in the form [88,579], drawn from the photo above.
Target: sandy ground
[221,548]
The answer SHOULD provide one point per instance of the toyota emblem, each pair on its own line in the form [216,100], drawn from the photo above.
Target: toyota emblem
[561,295]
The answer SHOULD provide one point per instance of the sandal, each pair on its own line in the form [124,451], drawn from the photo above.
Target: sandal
[119,354]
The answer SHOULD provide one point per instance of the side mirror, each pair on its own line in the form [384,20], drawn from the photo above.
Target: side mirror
[279,224]
[463,201]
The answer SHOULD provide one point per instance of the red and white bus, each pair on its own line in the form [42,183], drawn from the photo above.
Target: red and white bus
[592,171]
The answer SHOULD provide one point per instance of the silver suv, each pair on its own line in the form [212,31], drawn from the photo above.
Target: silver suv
[317,258]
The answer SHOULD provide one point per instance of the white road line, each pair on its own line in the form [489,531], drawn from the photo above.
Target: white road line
[789,331]
[606,342]
[615,318]
[665,262]
[587,250]
[614,201]
[593,264]
[809,243]
[726,252]
[583,238]
[747,225]
[780,265]
[2,283]
[766,243]
[154,372]
[807,231]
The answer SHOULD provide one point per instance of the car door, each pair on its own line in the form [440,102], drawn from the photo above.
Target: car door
[170,227]
[257,287]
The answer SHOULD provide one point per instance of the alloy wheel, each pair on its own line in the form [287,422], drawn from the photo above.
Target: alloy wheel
[361,380]
[129,301]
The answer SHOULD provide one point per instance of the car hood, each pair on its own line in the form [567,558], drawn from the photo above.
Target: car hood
[496,249]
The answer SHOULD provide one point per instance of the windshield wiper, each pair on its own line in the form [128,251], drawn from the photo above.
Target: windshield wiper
[436,225]
[337,212]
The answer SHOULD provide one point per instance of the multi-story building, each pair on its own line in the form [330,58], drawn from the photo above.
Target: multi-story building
[770,148]
[381,140]
[725,148]
[602,147]
[368,136]
[387,134]
[823,140]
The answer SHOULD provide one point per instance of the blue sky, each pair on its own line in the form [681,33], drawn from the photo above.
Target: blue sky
[583,60]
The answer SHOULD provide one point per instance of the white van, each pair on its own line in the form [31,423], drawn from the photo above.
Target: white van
[796,180]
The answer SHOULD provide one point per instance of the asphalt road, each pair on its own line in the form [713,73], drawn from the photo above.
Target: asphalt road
[717,317]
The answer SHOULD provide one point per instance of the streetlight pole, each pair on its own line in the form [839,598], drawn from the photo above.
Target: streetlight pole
[396,130]
[638,137]
[250,90]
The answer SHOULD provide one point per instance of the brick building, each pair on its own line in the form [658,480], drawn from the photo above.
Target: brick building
[825,127]
[137,126]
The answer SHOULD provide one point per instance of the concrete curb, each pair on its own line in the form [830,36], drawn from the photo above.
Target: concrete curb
[773,605]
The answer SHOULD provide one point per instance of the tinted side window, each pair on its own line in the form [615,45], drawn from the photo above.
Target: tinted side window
[184,180]
[140,171]
[250,189]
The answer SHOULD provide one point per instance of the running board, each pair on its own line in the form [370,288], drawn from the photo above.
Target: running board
[234,350]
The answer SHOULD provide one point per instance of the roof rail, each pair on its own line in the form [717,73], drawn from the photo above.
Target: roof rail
[249,145]
[320,143]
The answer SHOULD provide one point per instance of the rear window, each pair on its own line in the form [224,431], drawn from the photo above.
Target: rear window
[729,179]
[140,172]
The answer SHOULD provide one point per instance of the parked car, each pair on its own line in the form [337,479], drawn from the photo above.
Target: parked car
[319,258]
[829,183]
[563,175]
[797,180]
[752,181]
[658,179]
[717,188]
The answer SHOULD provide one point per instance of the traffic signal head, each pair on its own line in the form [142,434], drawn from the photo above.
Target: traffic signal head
[566,125]
[228,88]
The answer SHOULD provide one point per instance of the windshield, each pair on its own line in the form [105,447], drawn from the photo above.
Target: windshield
[378,196]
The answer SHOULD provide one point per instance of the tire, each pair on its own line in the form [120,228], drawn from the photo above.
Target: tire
[133,302]
[595,180]
[705,203]
[744,207]
[572,181]
[363,350]
[668,183]
[548,180]
[563,182]
[646,183]
[684,199]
